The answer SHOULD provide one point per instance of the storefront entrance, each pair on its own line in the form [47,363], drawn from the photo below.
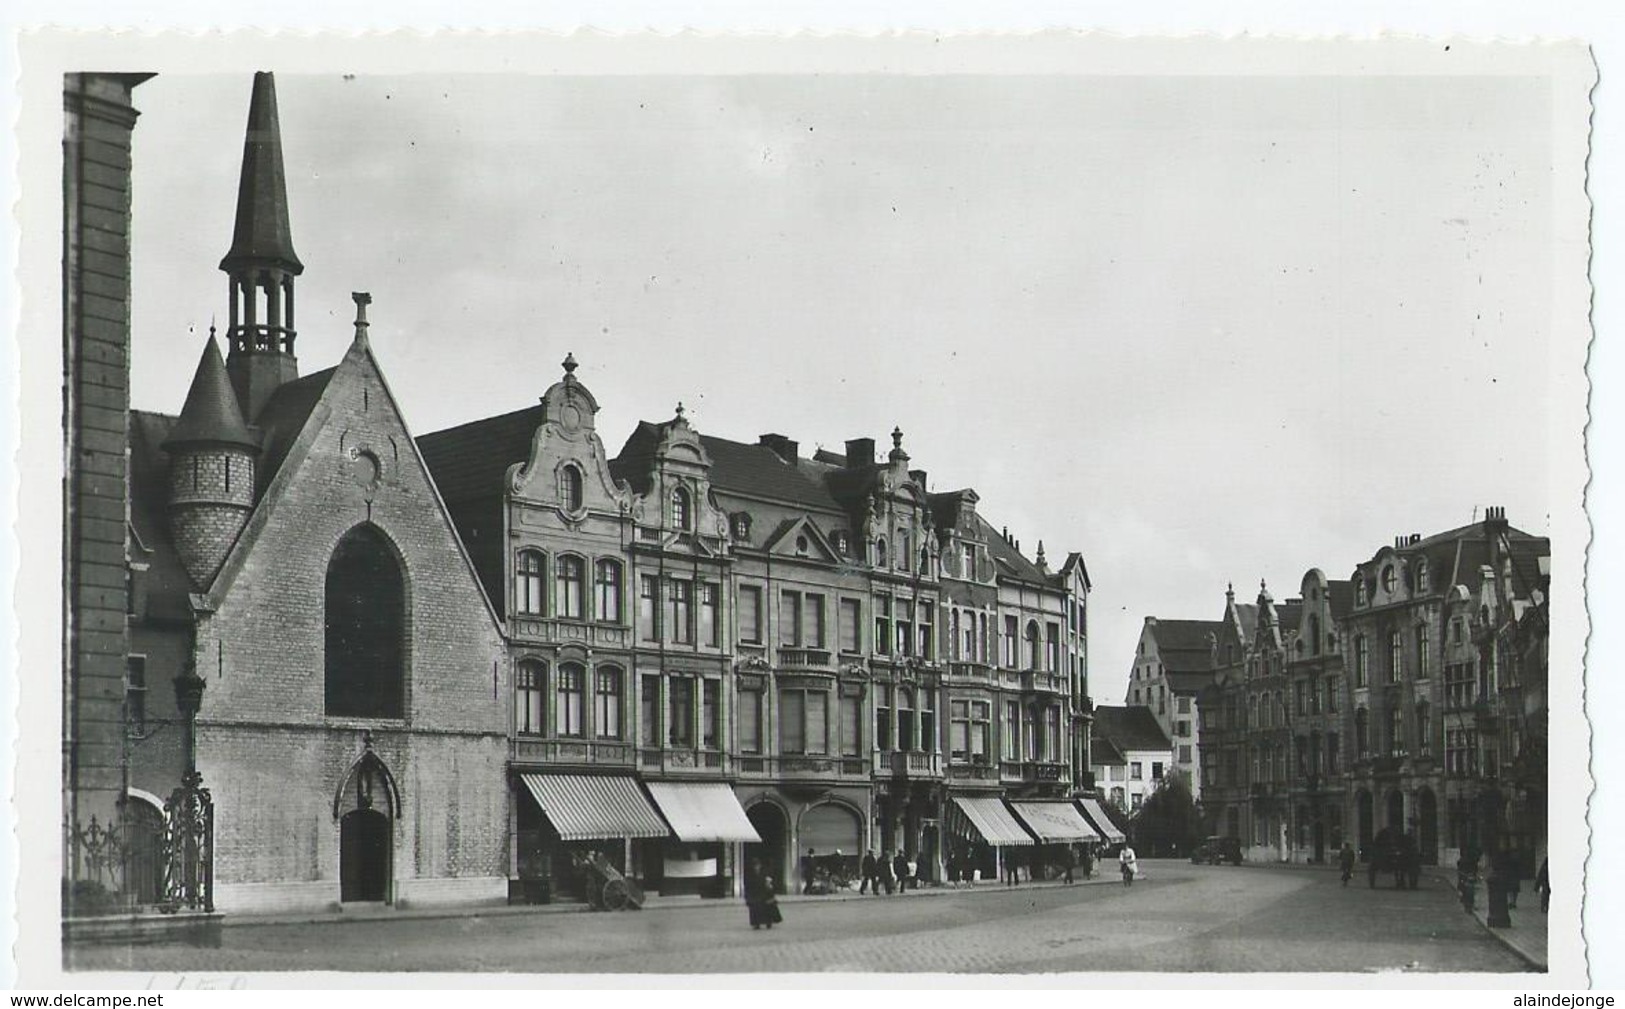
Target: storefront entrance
[774,847]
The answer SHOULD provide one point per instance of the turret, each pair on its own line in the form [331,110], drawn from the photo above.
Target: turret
[261,264]
[211,470]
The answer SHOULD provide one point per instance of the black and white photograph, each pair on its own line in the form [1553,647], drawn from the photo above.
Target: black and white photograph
[1031,506]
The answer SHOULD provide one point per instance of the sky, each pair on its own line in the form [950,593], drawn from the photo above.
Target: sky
[1200,329]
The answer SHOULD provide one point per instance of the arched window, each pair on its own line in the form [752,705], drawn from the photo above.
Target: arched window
[1035,647]
[880,552]
[607,584]
[529,699]
[905,720]
[682,511]
[1359,590]
[365,628]
[528,591]
[570,488]
[1422,584]
[569,587]
[1362,732]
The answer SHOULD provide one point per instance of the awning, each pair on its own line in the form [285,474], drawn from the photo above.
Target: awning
[1055,822]
[702,811]
[1102,822]
[583,806]
[988,818]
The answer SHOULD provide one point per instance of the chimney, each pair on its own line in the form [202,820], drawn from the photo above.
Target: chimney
[783,447]
[1415,539]
[860,452]
[918,476]
[1495,520]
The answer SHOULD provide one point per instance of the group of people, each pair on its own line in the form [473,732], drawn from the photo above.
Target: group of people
[895,873]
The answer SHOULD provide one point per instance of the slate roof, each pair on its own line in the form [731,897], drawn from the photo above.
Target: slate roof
[1191,681]
[1340,596]
[1102,752]
[1130,727]
[1184,635]
[1008,559]
[1288,615]
[468,462]
[211,414]
[284,416]
[752,471]
[167,582]
[262,233]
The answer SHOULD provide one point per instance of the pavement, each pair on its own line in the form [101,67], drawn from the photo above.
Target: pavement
[1527,935]
[1179,917]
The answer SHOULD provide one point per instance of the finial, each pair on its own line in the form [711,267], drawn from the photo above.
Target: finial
[211,326]
[569,364]
[679,409]
[362,299]
[1040,553]
[896,437]
[1262,587]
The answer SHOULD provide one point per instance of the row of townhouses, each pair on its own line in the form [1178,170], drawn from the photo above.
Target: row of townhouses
[1411,696]
[381,667]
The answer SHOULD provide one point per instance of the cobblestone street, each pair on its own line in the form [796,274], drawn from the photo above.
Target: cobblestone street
[1180,918]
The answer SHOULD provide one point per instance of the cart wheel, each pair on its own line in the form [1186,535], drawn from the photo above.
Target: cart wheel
[615,895]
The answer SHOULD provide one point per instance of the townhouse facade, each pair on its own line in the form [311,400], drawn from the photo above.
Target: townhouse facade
[1173,664]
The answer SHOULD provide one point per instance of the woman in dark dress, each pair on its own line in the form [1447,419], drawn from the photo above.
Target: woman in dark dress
[760,900]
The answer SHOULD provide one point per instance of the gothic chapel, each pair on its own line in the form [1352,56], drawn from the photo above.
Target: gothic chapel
[289,548]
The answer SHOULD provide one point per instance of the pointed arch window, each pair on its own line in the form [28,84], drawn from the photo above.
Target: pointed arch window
[571,488]
[364,629]
[682,509]
[570,578]
[529,589]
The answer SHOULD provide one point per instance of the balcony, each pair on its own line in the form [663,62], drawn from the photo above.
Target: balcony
[816,659]
[979,770]
[570,751]
[909,765]
[1034,770]
[978,671]
[1039,681]
[681,760]
[809,766]
[535,629]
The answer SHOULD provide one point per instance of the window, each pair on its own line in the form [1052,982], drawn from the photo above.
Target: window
[1135,771]
[1052,734]
[883,625]
[1422,652]
[969,639]
[528,594]
[570,575]
[607,705]
[568,712]
[1360,592]
[1117,797]
[906,739]
[883,721]
[959,731]
[1010,633]
[1424,727]
[977,723]
[607,587]
[905,627]
[985,638]
[1314,634]
[880,552]
[1184,705]
[1362,663]
[1333,689]
[570,488]
[1156,770]
[812,629]
[681,730]
[529,706]
[1012,730]
[680,611]
[649,608]
[364,628]
[1300,700]
[789,618]
[928,634]
[682,513]
[1396,656]
[1184,754]
[851,621]
[1052,647]
[804,721]
[750,720]
[710,626]
[1396,730]
[1136,800]
[710,712]
[1455,631]
[1422,584]
[1389,580]
[135,695]
[851,722]
[1362,732]
[928,721]
[750,614]
[1033,646]
[902,548]
[968,560]
[1182,728]
[650,710]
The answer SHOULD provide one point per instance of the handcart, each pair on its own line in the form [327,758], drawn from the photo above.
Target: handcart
[607,889]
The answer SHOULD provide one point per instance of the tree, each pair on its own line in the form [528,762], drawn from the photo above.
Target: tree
[1169,823]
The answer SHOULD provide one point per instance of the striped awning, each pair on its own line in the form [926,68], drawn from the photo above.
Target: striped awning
[584,806]
[702,811]
[1102,822]
[1055,822]
[991,821]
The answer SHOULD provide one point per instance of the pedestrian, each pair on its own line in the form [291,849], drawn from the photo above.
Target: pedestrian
[888,878]
[871,877]
[760,900]
[1510,880]
[1345,863]
[1088,861]
[1068,861]
[1543,886]
[809,863]
[899,868]
[1011,873]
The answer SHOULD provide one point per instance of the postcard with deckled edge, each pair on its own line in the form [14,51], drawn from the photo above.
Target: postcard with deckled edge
[707,510]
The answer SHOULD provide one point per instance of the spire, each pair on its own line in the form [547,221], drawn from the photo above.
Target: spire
[262,236]
[211,414]
[261,264]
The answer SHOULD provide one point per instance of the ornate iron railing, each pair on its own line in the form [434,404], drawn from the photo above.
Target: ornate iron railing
[188,848]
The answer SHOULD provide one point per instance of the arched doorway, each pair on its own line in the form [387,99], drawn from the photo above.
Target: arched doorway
[1363,816]
[1427,826]
[364,856]
[831,827]
[1396,810]
[144,858]
[774,849]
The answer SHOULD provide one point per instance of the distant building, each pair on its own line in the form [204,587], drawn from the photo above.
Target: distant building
[1139,750]
[1173,664]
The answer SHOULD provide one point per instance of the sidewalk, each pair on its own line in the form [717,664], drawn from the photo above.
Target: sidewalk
[1526,937]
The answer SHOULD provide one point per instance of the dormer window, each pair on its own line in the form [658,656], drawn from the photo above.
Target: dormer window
[742,526]
[1389,579]
[1422,575]
[1359,591]
[970,561]
[682,509]
[570,488]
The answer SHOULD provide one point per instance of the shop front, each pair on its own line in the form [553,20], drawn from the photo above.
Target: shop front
[1111,836]
[703,856]
[982,828]
[568,817]
[1059,827]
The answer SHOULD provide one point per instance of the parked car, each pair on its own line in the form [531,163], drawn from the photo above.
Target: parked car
[1214,850]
